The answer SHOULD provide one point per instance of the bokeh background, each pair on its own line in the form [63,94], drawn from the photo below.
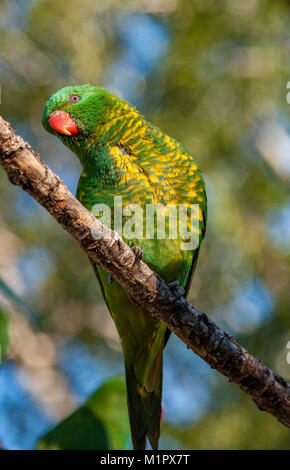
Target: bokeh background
[212,74]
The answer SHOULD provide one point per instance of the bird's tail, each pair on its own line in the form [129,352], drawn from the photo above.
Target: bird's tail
[144,404]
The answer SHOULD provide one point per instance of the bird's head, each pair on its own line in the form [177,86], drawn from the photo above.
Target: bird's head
[76,113]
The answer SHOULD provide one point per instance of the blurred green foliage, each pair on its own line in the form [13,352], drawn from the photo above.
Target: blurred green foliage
[101,423]
[4,334]
[212,74]
[240,427]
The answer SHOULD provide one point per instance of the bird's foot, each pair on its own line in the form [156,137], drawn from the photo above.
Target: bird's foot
[176,289]
[138,252]
[110,278]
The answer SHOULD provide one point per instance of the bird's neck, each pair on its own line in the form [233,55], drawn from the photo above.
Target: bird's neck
[109,158]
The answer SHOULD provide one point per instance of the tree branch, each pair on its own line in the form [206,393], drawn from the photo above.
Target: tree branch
[24,168]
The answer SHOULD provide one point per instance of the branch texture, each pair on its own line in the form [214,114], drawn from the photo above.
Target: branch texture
[24,168]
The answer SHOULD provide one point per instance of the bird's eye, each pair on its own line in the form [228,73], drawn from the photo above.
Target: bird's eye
[74,99]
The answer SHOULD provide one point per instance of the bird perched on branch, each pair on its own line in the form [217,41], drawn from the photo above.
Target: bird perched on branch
[127,159]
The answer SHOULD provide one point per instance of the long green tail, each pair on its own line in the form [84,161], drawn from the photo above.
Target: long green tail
[142,339]
[144,405]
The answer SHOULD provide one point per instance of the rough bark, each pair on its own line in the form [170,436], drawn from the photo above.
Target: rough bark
[24,168]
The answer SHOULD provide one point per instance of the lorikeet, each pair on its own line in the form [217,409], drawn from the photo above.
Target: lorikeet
[122,154]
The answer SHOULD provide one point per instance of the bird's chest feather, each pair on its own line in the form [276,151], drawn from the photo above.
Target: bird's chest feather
[128,207]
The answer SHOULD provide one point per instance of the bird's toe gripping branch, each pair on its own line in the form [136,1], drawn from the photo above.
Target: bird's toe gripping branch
[176,289]
[138,252]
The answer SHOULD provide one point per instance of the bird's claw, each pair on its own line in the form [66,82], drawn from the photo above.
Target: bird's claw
[176,289]
[138,252]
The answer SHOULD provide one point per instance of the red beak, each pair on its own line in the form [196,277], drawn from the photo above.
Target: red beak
[61,122]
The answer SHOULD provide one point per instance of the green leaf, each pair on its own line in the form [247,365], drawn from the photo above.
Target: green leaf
[4,335]
[101,423]
[80,431]
[110,405]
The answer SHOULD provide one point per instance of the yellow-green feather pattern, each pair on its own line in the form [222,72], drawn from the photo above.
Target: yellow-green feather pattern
[124,155]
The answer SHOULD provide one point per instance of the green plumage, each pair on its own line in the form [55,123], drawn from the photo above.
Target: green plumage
[124,155]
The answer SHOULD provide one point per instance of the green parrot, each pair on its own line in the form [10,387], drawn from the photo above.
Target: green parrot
[123,155]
